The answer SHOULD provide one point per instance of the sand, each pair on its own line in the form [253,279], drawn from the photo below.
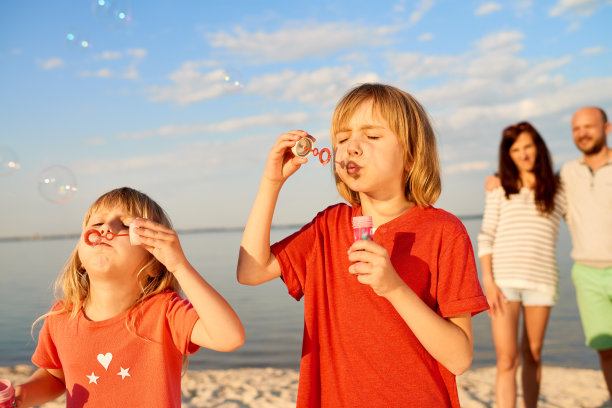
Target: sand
[277,388]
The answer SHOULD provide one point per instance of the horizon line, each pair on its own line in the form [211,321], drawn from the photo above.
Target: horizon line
[69,235]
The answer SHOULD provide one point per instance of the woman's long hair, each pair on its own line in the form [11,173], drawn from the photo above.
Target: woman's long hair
[546,183]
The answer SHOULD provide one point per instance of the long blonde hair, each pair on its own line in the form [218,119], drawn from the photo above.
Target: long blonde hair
[73,282]
[409,122]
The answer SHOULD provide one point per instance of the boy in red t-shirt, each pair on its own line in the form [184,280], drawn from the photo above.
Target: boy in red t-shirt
[387,320]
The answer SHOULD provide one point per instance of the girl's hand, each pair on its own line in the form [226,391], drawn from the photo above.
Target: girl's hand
[281,162]
[373,267]
[162,242]
[495,298]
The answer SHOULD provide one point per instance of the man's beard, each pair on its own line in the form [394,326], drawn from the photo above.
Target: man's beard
[595,148]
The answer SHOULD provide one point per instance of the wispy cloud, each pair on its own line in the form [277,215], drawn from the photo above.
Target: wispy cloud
[51,63]
[298,41]
[420,10]
[134,57]
[488,8]
[320,87]
[583,8]
[597,49]
[219,127]
[426,37]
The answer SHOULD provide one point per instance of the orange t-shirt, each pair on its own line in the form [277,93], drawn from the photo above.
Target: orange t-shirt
[106,364]
[357,351]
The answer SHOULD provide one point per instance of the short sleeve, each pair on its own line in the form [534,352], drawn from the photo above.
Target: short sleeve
[292,254]
[46,355]
[459,289]
[182,317]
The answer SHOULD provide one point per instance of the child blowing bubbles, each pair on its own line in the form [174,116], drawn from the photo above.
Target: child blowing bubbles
[388,321]
[119,335]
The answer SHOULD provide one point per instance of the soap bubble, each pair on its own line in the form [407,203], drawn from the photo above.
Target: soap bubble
[112,13]
[77,41]
[232,80]
[57,184]
[9,162]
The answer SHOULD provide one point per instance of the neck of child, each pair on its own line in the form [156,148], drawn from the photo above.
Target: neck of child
[383,211]
[107,300]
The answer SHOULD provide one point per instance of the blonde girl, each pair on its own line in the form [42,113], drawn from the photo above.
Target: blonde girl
[388,320]
[119,333]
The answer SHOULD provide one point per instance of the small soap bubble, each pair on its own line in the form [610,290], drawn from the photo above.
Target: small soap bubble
[112,13]
[57,184]
[9,162]
[232,81]
[77,41]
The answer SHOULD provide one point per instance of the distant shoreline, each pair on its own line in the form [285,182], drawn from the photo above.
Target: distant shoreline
[74,235]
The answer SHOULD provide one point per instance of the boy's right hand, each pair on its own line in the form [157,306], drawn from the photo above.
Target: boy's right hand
[282,163]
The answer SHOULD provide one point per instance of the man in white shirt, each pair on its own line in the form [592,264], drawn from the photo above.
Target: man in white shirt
[587,182]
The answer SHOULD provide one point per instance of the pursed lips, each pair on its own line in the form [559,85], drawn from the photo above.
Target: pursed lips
[352,167]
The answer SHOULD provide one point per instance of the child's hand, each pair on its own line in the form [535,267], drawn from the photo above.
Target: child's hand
[281,162]
[373,267]
[162,242]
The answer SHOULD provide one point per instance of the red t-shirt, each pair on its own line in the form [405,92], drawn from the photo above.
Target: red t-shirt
[357,351]
[107,365]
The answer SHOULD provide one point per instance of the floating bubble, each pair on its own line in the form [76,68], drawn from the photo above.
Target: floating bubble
[57,184]
[9,162]
[77,41]
[232,81]
[112,13]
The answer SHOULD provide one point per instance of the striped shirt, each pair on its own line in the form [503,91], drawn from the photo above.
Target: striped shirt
[521,240]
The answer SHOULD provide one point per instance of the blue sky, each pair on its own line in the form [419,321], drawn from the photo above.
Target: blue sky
[145,103]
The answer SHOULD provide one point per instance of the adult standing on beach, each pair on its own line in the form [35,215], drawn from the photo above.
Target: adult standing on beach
[588,185]
[516,246]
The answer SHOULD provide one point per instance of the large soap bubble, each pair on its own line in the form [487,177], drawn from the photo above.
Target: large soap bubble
[57,184]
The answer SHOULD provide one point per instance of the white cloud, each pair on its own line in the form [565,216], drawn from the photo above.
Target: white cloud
[101,73]
[414,65]
[191,85]
[488,8]
[321,87]
[426,37]
[467,167]
[52,63]
[109,55]
[306,39]
[420,10]
[502,41]
[583,8]
[232,125]
[137,53]
[597,49]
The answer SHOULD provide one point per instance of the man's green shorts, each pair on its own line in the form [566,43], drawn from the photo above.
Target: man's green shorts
[594,296]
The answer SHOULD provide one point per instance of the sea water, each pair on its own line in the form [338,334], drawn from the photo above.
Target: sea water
[273,320]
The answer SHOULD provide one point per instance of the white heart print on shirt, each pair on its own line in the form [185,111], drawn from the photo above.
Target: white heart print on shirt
[105,360]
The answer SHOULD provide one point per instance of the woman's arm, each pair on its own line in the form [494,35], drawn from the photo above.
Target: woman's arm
[43,386]
[256,264]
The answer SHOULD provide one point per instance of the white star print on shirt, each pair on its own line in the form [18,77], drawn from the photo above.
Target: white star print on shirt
[92,378]
[124,373]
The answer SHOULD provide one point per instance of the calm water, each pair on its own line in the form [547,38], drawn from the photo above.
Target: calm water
[273,319]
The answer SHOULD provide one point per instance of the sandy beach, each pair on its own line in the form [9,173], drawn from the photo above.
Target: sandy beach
[277,388]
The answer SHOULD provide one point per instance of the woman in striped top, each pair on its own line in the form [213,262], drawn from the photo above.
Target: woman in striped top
[516,247]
